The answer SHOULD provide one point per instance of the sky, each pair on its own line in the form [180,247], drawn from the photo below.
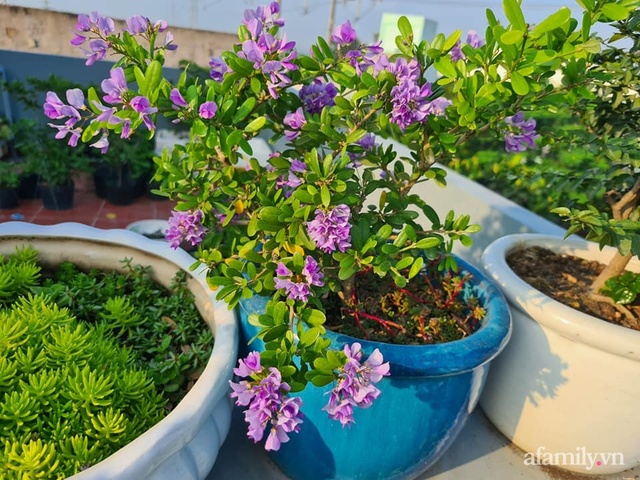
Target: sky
[305,19]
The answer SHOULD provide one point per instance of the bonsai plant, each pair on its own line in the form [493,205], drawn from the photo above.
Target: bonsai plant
[307,240]
[54,163]
[587,344]
[198,424]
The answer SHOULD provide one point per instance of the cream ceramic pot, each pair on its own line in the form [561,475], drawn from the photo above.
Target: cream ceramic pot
[567,386]
[185,444]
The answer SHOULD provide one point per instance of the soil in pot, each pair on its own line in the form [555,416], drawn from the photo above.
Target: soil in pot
[429,309]
[566,279]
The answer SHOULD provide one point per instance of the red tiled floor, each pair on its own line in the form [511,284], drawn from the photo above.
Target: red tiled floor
[90,210]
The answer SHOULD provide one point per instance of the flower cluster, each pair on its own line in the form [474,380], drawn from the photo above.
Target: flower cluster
[300,290]
[185,226]
[520,133]
[335,199]
[265,395]
[331,231]
[356,384]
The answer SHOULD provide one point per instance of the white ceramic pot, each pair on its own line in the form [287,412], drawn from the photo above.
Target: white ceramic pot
[567,386]
[185,444]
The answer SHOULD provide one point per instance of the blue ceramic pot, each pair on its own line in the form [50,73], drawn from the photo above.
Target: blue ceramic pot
[424,403]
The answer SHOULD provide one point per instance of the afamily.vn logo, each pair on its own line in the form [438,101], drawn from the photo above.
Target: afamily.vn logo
[580,457]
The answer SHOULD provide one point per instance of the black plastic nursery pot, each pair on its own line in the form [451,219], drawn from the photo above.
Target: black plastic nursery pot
[8,198]
[57,197]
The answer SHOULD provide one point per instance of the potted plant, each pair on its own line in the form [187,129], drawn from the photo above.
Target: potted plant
[9,181]
[573,362]
[184,444]
[54,163]
[6,134]
[319,244]
[122,172]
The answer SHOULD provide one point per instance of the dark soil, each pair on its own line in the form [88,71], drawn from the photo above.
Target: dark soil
[430,309]
[566,278]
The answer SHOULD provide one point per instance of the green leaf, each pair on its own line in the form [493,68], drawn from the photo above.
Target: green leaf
[427,243]
[274,333]
[416,267]
[313,317]
[592,45]
[624,288]
[244,110]
[519,84]
[553,21]
[405,262]
[513,12]
[404,26]
[615,11]
[153,75]
[445,66]
[511,37]
[325,195]
[255,125]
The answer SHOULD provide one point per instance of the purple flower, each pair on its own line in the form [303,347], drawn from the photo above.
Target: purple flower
[64,130]
[185,226]
[97,51]
[295,121]
[410,103]
[142,105]
[439,106]
[355,385]
[456,52]
[520,133]
[177,99]
[331,231]
[265,395]
[160,25]
[54,107]
[137,24]
[207,110]
[298,166]
[317,95]
[102,144]
[101,25]
[264,16]
[249,365]
[115,86]
[473,39]
[297,287]
[367,143]
[168,42]
[343,34]
[218,68]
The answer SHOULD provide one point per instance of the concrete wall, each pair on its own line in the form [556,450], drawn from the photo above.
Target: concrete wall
[20,66]
[42,31]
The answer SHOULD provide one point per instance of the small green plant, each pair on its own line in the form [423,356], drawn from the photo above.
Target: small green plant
[55,162]
[88,361]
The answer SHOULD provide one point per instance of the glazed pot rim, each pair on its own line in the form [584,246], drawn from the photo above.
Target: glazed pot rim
[564,320]
[444,359]
[183,422]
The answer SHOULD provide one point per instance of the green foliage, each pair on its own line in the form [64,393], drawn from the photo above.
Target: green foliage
[624,288]
[54,161]
[82,371]
[133,155]
[70,388]
[256,225]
